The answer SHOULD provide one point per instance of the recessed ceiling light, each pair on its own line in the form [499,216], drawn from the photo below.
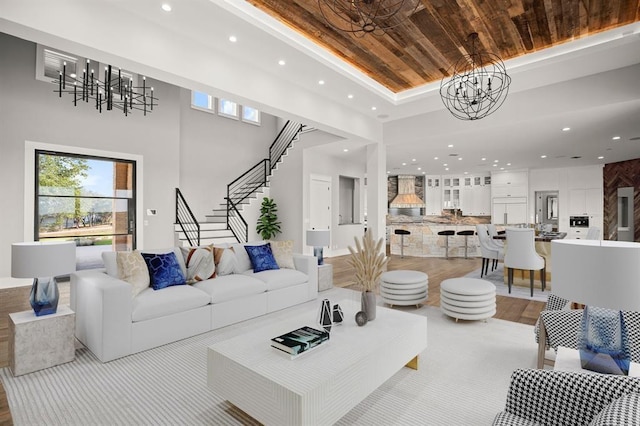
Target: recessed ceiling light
[435,158]
[615,138]
[424,173]
[419,168]
[404,164]
[508,164]
[445,164]
[388,172]
[447,169]
[166,7]
[450,146]
[373,108]
[501,168]
[233,39]
[459,158]
[566,129]
[543,156]
[466,173]
[320,82]
[495,165]
[281,62]
[413,159]
[496,161]
[350,96]
[483,159]
[600,158]
[346,150]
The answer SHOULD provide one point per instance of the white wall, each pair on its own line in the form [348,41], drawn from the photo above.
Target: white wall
[30,111]
[216,150]
[317,162]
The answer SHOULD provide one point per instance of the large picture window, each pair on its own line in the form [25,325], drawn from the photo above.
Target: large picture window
[86,199]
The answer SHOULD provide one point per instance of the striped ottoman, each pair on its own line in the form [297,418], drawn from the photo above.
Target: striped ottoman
[404,287]
[468,298]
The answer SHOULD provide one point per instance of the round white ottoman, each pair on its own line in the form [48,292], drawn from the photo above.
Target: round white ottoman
[468,298]
[404,287]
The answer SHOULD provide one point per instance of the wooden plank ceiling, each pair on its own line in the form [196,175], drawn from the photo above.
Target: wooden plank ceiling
[422,49]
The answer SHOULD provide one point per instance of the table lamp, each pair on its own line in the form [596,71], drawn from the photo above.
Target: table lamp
[605,277]
[43,261]
[318,238]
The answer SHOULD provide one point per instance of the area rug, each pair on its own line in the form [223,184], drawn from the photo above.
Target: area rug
[497,278]
[463,378]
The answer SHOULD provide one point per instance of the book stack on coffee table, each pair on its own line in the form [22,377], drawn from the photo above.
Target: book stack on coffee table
[299,341]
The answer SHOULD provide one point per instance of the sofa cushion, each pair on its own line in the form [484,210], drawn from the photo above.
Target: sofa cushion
[283,253]
[150,304]
[133,269]
[164,270]
[279,278]
[507,419]
[261,257]
[243,263]
[225,260]
[229,287]
[199,262]
[623,411]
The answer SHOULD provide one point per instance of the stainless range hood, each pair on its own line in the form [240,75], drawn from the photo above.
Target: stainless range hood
[407,202]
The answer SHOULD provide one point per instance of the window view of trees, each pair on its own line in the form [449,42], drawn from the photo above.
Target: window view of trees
[86,199]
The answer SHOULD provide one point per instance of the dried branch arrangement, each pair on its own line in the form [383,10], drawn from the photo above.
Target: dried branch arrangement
[368,260]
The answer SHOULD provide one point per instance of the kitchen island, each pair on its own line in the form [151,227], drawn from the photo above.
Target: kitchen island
[424,241]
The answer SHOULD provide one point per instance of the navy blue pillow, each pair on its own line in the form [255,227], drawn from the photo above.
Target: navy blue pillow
[164,270]
[261,257]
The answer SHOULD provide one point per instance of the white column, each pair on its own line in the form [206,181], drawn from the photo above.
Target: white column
[376,190]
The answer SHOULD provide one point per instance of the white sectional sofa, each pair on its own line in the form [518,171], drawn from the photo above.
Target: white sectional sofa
[112,323]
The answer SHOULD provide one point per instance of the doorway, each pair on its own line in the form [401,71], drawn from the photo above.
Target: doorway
[625,214]
[547,208]
[320,202]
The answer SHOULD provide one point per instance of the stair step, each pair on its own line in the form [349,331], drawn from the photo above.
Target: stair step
[216,219]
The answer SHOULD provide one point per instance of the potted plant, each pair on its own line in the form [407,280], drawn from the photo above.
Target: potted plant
[268,225]
[369,261]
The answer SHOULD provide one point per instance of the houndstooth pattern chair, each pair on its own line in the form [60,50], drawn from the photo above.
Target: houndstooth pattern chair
[561,327]
[567,398]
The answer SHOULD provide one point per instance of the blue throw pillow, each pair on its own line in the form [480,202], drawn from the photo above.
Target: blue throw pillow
[164,270]
[261,257]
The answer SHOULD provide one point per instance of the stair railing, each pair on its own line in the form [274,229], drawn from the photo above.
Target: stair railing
[239,191]
[186,220]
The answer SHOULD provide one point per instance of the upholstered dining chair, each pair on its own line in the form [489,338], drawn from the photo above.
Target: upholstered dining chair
[521,254]
[490,252]
[492,233]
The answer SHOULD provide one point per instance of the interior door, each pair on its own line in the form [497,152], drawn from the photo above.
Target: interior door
[320,203]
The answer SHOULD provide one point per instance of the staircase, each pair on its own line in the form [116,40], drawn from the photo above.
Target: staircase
[226,224]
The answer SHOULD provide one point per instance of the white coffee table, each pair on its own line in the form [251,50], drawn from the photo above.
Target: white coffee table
[323,385]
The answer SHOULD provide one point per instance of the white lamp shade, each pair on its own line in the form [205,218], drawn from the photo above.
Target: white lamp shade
[318,237]
[599,273]
[42,259]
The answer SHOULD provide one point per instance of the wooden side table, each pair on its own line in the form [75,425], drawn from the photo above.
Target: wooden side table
[36,342]
[325,277]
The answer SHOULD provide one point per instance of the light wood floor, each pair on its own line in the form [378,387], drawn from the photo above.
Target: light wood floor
[438,269]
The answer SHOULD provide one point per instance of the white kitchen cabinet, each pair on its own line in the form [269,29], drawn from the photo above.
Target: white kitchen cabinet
[433,198]
[482,201]
[509,211]
[509,184]
[585,202]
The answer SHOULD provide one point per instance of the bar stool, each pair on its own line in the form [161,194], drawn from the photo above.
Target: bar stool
[402,233]
[466,239]
[446,234]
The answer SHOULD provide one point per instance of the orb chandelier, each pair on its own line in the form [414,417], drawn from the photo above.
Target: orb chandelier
[361,17]
[478,85]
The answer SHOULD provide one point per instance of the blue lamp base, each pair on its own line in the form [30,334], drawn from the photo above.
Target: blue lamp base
[44,296]
[317,252]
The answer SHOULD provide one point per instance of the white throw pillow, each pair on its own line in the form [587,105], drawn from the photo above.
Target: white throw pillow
[199,263]
[283,253]
[225,260]
[133,269]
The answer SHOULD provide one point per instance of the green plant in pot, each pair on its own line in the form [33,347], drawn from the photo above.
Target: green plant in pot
[268,225]
[369,262]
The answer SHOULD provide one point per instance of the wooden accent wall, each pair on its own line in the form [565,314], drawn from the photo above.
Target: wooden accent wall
[620,175]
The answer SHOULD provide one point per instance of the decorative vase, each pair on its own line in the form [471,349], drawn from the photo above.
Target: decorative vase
[44,296]
[368,304]
[324,316]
